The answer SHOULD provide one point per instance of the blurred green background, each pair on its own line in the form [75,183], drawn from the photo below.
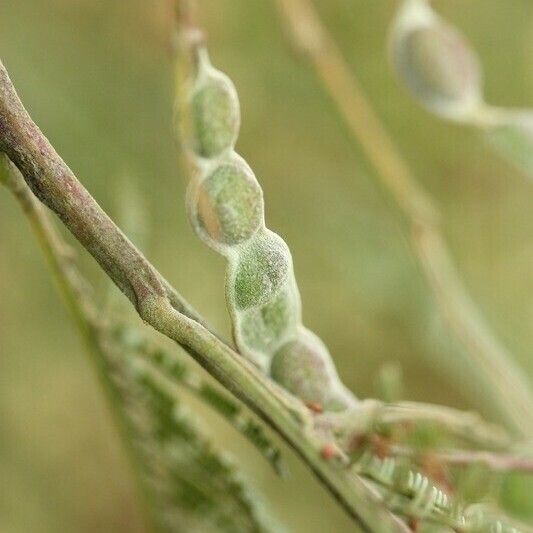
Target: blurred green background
[97,77]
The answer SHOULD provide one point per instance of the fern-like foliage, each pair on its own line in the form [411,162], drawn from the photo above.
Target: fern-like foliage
[170,369]
[190,485]
[423,500]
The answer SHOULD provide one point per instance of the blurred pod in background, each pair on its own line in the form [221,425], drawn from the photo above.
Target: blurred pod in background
[442,71]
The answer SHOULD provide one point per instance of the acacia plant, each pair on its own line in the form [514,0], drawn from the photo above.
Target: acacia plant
[275,373]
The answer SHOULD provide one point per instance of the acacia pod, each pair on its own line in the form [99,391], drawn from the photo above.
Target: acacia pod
[436,63]
[260,331]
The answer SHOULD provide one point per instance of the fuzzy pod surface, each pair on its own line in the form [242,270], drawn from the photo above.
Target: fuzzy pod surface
[226,208]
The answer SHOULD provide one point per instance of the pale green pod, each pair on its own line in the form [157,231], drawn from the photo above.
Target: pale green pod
[226,207]
[304,367]
[261,268]
[436,63]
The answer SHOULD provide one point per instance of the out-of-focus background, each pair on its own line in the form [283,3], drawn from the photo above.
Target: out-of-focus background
[97,77]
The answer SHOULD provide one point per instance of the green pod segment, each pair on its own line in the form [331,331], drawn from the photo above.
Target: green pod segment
[263,264]
[436,63]
[227,206]
[304,367]
[261,330]
[215,114]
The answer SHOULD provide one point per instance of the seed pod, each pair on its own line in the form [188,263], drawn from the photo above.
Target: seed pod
[304,367]
[226,209]
[435,62]
[215,112]
[227,205]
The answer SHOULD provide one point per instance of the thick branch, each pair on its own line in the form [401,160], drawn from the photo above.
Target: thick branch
[55,185]
[160,306]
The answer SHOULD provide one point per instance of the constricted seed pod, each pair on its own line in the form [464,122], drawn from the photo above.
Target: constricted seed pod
[215,112]
[436,63]
[227,205]
[226,209]
[304,367]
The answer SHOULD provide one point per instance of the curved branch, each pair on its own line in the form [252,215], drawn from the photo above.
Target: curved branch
[52,181]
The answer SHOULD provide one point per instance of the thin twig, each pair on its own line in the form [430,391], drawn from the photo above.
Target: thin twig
[160,306]
[510,390]
[496,462]
[464,425]
[374,417]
